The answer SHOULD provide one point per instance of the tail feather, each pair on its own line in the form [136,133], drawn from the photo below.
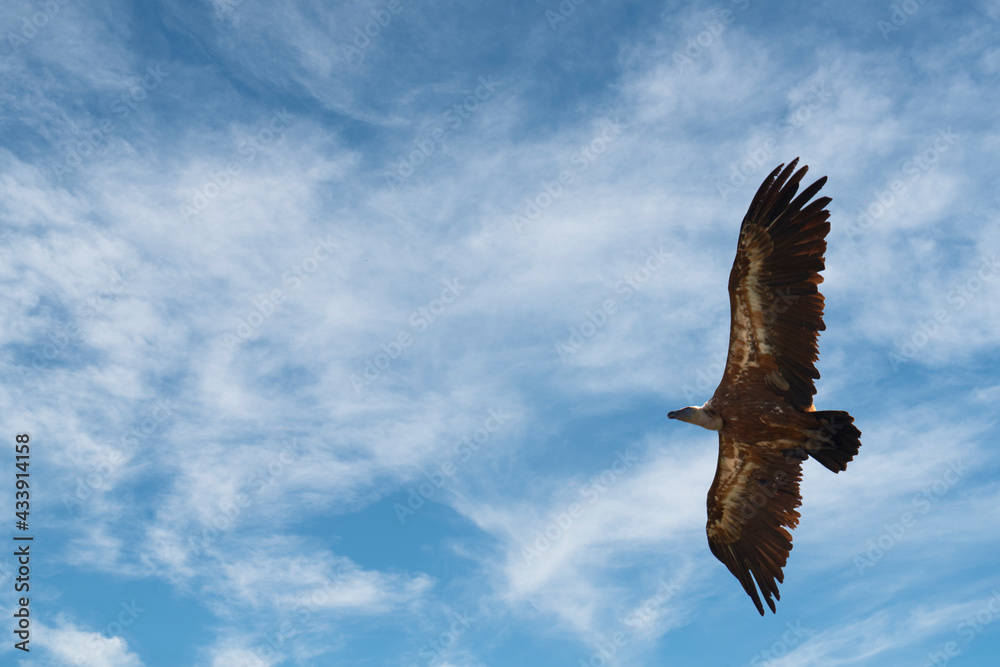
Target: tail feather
[835,440]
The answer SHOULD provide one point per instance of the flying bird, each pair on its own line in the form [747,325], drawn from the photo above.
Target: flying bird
[763,408]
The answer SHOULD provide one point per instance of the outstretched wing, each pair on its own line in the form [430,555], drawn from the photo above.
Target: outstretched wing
[777,310]
[751,507]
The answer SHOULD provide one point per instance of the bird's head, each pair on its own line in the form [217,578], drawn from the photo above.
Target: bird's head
[705,416]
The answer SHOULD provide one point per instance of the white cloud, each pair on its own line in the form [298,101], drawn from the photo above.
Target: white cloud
[240,650]
[561,554]
[213,470]
[270,573]
[66,644]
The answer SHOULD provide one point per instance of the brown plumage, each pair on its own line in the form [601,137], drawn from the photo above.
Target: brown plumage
[763,406]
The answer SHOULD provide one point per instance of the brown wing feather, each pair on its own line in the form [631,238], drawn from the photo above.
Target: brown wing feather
[751,507]
[776,307]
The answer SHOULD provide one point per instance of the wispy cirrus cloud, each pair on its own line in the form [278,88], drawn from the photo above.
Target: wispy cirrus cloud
[173,265]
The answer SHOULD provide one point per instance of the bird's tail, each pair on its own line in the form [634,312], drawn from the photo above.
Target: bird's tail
[834,441]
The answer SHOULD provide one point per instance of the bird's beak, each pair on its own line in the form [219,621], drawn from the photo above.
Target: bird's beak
[679,414]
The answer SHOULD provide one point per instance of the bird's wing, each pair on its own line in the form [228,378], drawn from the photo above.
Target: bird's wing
[751,507]
[777,310]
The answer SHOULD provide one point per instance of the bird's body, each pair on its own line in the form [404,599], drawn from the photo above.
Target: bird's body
[763,407]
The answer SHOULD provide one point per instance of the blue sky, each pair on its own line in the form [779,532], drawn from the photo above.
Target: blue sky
[345,333]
